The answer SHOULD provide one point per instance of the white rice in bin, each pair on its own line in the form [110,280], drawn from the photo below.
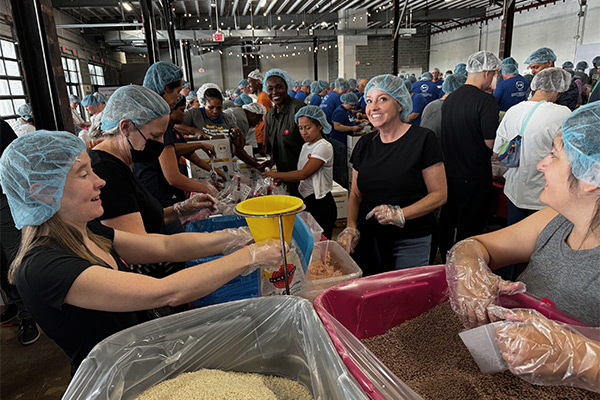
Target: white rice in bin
[212,384]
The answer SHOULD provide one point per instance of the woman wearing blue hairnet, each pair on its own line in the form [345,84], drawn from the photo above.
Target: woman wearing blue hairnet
[73,272]
[561,244]
[398,179]
[315,168]
[24,124]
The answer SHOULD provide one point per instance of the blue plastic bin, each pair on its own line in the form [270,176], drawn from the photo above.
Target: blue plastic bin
[242,287]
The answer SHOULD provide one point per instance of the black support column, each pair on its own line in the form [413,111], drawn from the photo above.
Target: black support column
[187,61]
[170,31]
[149,31]
[42,67]
[315,58]
[395,38]
[506,30]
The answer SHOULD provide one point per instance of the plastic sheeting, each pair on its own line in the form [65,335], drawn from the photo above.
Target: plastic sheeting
[280,336]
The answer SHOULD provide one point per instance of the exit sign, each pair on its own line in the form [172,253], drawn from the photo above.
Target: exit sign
[218,37]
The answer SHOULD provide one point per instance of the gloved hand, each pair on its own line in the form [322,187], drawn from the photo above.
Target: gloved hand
[545,352]
[265,255]
[472,286]
[348,239]
[199,202]
[388,215]
[236,239]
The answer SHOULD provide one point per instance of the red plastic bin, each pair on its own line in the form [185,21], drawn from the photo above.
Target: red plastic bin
[372,305]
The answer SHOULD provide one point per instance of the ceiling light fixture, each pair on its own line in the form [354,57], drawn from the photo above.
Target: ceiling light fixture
[127,6]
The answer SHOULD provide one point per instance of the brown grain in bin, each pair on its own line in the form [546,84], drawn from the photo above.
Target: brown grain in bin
[427,354]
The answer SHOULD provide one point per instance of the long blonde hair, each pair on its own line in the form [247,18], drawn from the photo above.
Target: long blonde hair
[56,233]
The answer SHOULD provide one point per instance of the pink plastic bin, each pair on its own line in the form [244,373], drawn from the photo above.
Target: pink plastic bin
[370,306]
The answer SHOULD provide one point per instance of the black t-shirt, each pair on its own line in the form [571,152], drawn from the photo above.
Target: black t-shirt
[124,193]
[391,173]
[44,280]
[153,179]
[469,116]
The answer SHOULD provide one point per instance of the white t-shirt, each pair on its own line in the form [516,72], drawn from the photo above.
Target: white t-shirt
[321,182]
[21,127]
[525,183]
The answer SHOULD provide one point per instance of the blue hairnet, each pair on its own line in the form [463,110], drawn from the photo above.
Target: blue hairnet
[136,103]
[185,84]
[596,61]
[243,99]
[541,56]
[25,111]
[243,84]
[341,84]
[93,100]
[306,82]
[237,92]
[393,86]
[160,74]
[428,76]
[453,82]
[568,64]
[297,83]
[280,73]
[33,171]
[581,140]
[483,61]
[509,60]
[353,83]
[408,84]
[412,79]
[315,113]
[318,86]
[581,65]
[332,85]
[73,98]
[551,80]
[461,69]
[192,95]
[510,69]
[349,98]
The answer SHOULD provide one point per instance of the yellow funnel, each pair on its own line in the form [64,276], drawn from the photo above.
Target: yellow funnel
[268,227]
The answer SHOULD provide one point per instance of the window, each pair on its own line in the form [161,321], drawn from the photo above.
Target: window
[12,88]
[73,78]
[96,74]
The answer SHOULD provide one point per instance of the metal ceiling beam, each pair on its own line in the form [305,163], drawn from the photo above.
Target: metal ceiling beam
[83,3]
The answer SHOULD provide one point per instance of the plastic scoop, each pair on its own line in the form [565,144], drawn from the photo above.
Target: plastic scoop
[483,346]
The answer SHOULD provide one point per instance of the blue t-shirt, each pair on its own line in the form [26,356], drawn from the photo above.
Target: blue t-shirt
[427,89]
[292,94]
[300,95]
[340,115]
[510,92]
[362,103]
[419,102]
[330,103]
[315,100]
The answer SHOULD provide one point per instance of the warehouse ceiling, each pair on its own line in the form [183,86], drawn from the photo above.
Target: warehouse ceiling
[302,17]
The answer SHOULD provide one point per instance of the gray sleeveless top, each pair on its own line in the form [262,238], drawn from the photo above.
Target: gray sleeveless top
[571,279]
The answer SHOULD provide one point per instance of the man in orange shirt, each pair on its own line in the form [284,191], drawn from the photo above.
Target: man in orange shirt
[255,83]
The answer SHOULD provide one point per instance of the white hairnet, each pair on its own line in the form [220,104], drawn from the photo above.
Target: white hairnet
[483,61]
[160,74]
[33,171]
[315,113]
[256,75]
[281,74]
[394,86]
[581,140]
[255,108]
[136,103]
[552,80]
[203,89]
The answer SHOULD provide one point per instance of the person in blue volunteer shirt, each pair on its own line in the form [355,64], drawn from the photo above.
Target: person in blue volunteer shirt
[513,88]
[304,90]
[344,122]
[426,88]
[319,89]
[332,100]
[294,89]
[362,104]
[419,103]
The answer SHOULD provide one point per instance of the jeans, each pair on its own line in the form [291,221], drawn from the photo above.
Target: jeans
[340,162]
[412,252]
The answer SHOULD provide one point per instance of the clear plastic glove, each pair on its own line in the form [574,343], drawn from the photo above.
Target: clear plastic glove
[265,255]
[388,215]
[472,286]
[199,202]
[545,352]
[236,239]
[348,239]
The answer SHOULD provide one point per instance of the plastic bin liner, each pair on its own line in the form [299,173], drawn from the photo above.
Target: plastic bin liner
[313,225]
[349,268]
[280,336]
[370,306]
[241,287]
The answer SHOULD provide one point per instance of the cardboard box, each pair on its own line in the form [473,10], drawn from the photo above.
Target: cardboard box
[223,157]
[340,195]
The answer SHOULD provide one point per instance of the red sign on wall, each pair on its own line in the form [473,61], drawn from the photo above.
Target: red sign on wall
[218,37]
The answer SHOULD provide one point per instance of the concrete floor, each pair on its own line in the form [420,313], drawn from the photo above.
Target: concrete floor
[40,371]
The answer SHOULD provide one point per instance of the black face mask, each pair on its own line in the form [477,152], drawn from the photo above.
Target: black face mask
[152,150]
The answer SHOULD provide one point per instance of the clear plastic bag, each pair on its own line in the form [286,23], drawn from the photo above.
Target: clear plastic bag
[280,336]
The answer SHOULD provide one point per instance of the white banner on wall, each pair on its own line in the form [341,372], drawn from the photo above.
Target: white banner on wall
[587,52]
